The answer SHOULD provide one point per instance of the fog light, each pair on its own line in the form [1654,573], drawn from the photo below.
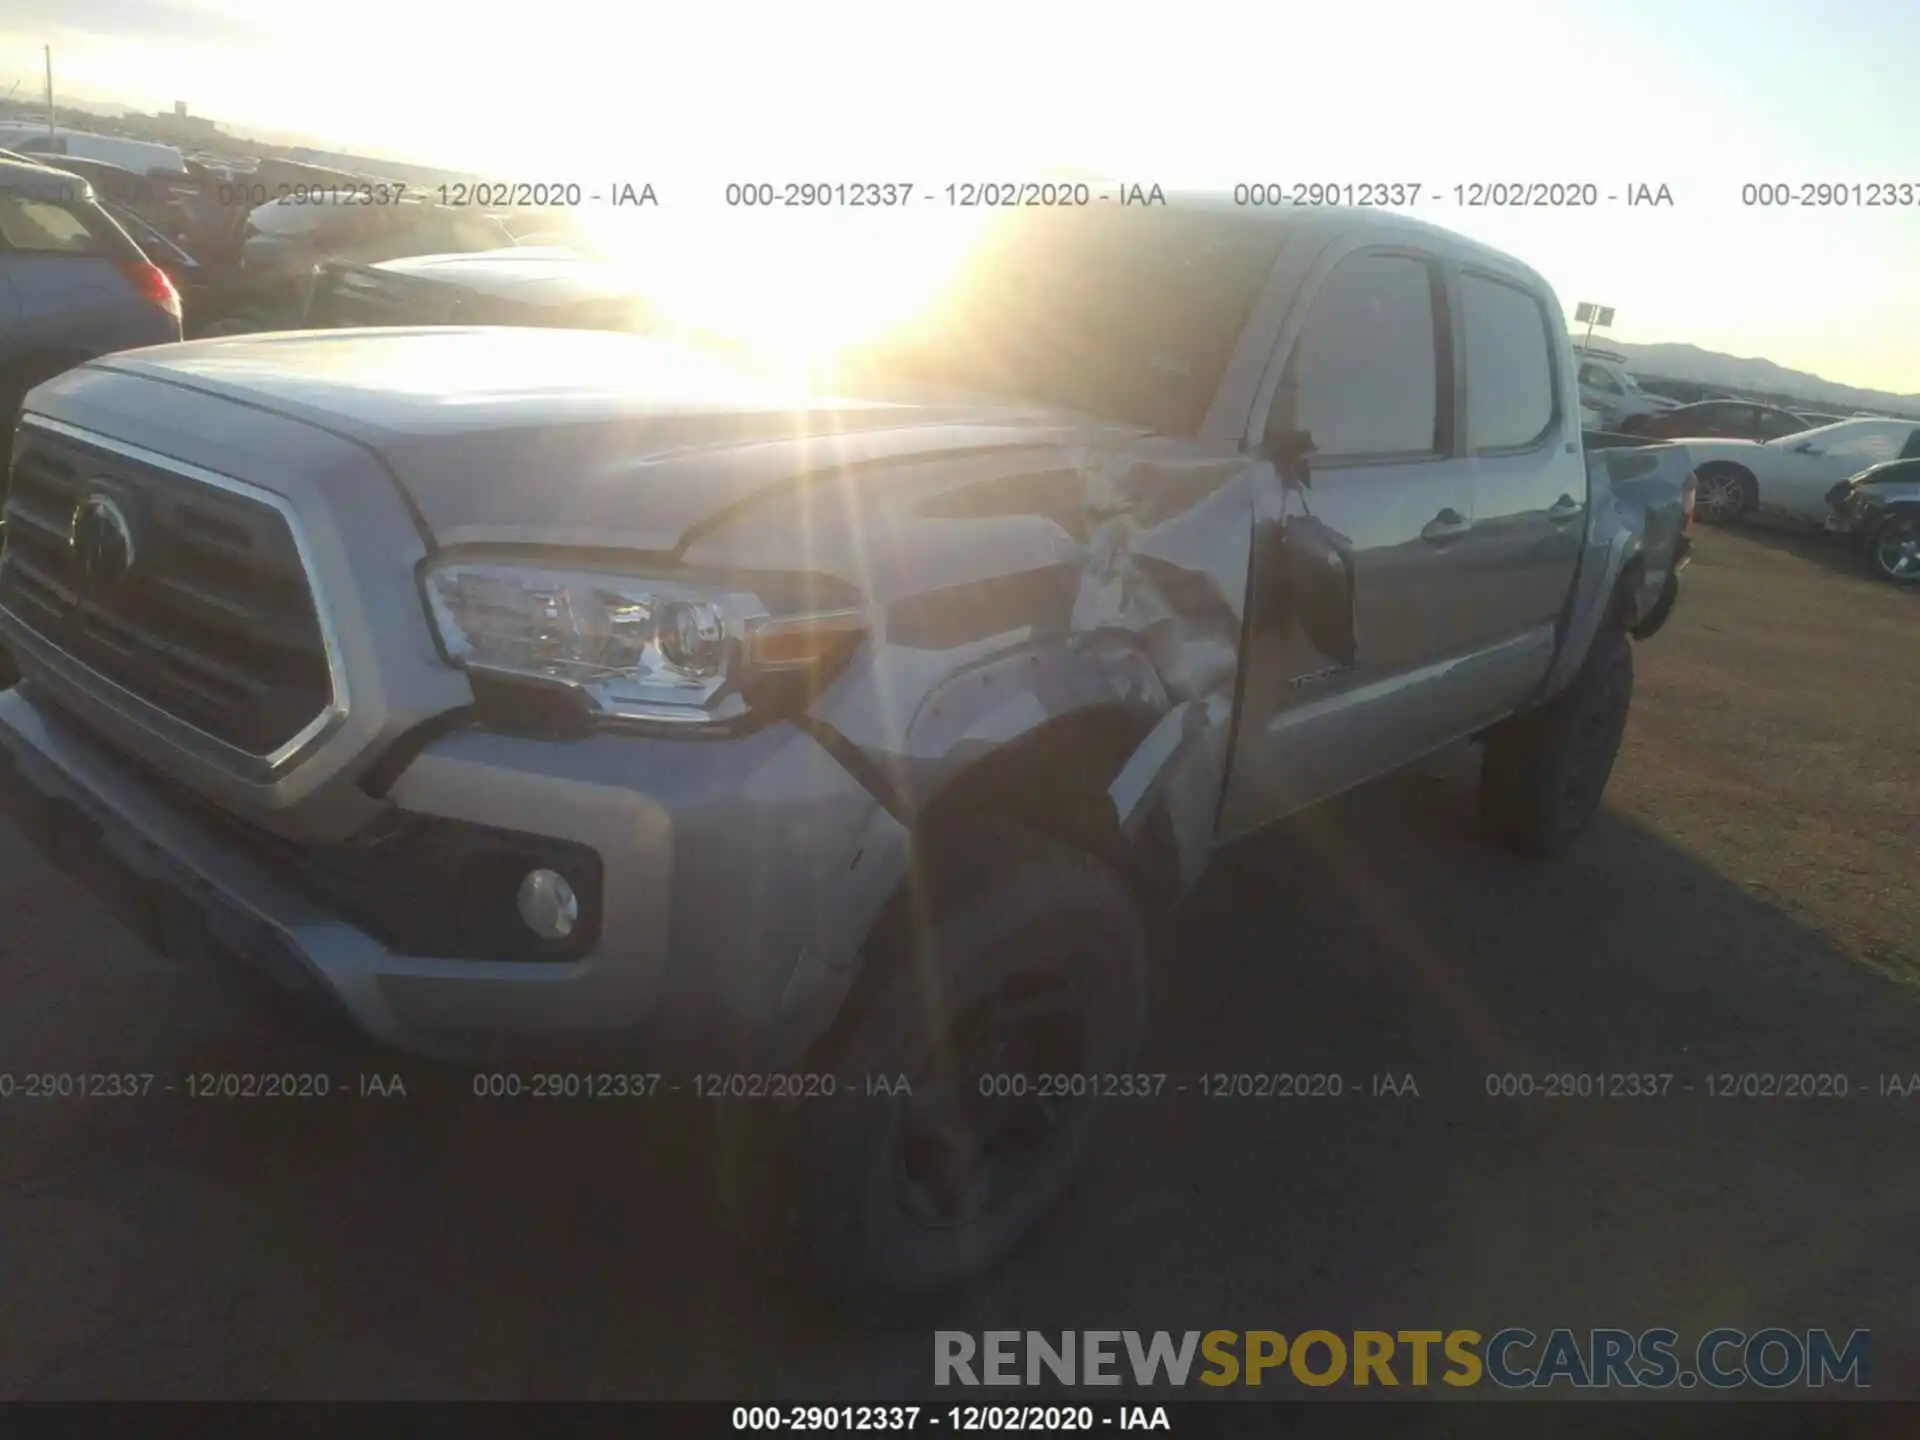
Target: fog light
[548,904]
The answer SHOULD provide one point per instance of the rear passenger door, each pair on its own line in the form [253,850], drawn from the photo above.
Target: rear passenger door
[1369,377]
[1529,484]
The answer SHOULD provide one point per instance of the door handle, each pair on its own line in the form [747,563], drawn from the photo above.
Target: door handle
[1564,509]
[1449,524]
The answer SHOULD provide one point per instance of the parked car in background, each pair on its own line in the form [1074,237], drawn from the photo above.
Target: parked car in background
[111,183]
[144,157]
[73,284]
[1879,509]
[590,694]
[1681,392]
[556,288]
[1607,384]
[1727,419]
[286,242]
[1790,477]
[289,237]
[194,281]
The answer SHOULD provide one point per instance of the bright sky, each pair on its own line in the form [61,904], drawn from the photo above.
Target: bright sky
[1703,96]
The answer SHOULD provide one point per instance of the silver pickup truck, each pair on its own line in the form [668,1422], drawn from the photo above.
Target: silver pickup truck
[515,692]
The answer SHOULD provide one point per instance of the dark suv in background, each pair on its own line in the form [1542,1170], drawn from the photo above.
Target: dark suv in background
[73,285]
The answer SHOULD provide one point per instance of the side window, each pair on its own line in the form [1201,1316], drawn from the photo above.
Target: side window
[1364,378]
[1868,447]
[1596,378]
[1776,423]
[45,227]
[1508,365]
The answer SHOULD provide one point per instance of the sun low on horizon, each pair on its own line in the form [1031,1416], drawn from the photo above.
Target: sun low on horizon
[738,91]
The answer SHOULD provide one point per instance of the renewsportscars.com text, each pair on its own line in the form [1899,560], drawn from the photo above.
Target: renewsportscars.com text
[1514,1358]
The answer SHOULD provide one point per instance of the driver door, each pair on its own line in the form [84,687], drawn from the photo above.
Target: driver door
[1370,379]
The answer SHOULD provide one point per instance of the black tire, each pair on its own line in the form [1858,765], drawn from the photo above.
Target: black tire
[1543,773]
[1032,931]
[1892,551]
[1725,494]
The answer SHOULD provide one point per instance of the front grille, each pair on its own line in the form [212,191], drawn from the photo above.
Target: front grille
[213,623]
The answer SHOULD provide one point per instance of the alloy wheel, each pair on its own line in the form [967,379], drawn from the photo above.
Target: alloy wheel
[1896,551]
[1719,496]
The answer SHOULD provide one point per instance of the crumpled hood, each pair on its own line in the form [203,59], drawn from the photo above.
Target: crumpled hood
[562,437]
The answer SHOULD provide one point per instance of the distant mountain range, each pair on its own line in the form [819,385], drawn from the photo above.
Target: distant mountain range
[1760,377]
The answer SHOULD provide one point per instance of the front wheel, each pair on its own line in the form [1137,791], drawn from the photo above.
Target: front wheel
[1893,551]
[1543,773]
[1024,981]
[1724,494]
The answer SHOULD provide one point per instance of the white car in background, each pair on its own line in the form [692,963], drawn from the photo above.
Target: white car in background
[1608,386]
[1791,476]
[143,157]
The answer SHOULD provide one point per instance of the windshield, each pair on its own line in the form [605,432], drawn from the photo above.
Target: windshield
[1128,316]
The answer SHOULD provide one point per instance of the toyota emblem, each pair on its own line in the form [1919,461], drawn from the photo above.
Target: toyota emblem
[101,541]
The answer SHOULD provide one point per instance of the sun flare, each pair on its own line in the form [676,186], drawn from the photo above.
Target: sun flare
[795,289]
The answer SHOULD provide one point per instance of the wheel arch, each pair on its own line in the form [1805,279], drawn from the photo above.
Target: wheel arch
[1057,779]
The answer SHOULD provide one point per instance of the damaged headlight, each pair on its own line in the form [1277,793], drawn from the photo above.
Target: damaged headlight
[630,647]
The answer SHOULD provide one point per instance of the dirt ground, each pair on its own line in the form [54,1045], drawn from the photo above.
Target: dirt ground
[1776,737]
[1747,904]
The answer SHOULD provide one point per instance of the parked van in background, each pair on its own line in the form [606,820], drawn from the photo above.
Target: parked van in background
[144,157]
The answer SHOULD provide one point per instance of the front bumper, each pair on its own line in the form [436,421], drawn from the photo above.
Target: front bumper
[741,878]
[1850,515]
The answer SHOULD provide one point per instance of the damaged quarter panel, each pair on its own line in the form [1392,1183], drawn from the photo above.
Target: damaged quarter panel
[1638,497]
[1100,570]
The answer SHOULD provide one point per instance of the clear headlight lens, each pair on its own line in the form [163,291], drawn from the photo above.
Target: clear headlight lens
[634,648]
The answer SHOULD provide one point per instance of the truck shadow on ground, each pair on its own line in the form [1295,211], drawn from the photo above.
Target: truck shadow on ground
[447,1246]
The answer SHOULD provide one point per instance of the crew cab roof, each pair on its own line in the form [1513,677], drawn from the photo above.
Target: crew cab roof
[443,379]
[1303,224]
